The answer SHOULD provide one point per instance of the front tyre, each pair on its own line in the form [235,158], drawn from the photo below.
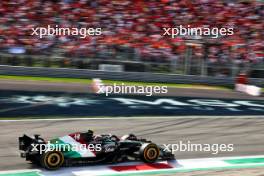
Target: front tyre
[52,160]
[149,152]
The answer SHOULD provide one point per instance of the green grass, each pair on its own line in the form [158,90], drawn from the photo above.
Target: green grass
[108,82]
[48,79]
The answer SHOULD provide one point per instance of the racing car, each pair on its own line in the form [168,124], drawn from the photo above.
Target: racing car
[87,148]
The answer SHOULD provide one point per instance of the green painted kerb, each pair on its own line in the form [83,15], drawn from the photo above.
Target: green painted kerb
[21,174]
[245,161]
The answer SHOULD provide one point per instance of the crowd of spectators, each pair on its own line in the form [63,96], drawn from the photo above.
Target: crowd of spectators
[134,26]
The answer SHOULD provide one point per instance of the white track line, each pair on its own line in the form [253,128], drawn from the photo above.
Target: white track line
[19,170]
[131,118]
[226,158]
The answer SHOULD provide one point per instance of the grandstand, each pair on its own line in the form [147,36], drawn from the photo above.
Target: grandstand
[132,35]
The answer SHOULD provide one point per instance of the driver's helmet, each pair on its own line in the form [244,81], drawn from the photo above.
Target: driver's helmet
[132,137]
[129,137]
[90,133]
[88,136]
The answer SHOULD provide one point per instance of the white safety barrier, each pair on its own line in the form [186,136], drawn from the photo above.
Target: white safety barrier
[248,89]
[97,85]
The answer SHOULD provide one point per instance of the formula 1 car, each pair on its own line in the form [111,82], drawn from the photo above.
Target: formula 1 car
[85,148]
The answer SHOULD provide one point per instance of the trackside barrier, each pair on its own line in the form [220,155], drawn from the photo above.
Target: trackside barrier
[243,86]
[121,76]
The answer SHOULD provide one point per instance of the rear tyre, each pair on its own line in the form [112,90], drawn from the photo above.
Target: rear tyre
[149,153]
[52,160]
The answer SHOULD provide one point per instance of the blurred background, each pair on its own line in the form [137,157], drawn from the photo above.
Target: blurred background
[132,37]
[131,51]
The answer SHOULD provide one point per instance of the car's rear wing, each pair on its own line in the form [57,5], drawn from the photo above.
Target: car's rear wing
[25,141]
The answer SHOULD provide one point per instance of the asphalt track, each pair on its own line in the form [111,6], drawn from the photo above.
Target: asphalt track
[245,133]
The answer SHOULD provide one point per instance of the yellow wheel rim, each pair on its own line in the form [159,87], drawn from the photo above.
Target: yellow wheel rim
[53,159]
[152,153]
